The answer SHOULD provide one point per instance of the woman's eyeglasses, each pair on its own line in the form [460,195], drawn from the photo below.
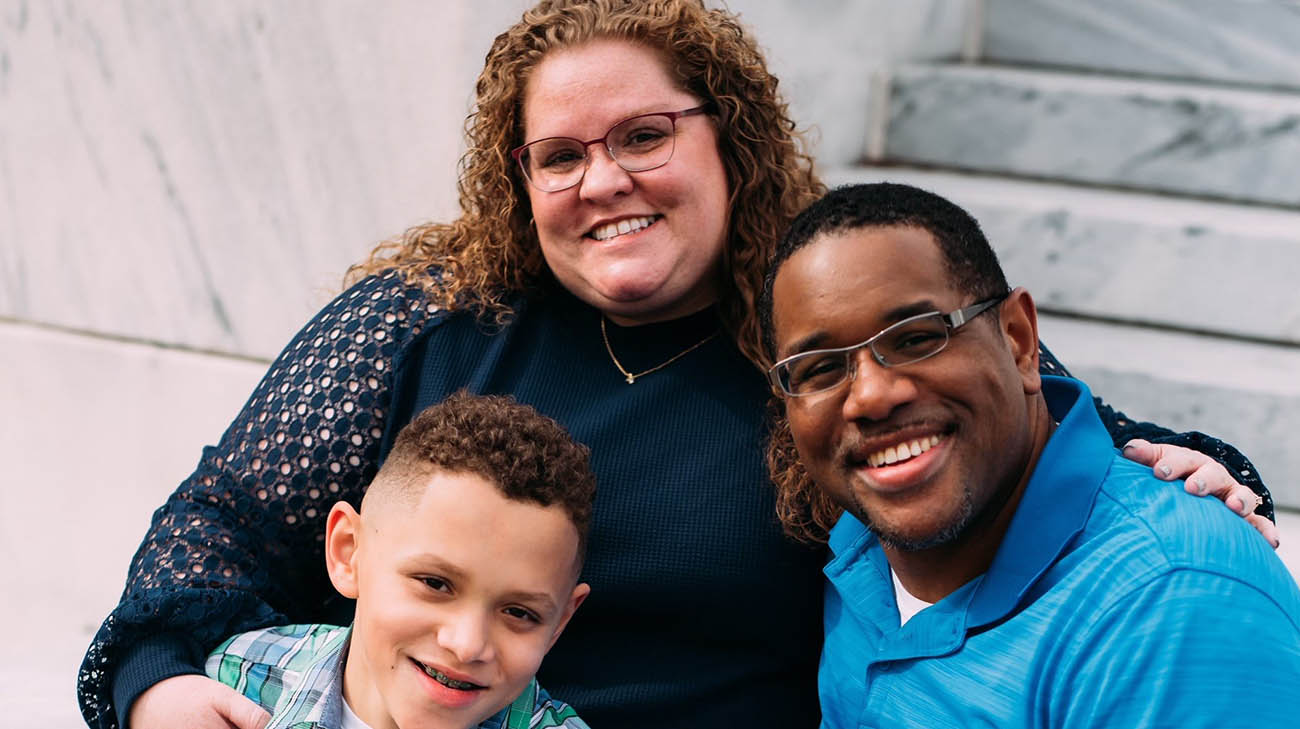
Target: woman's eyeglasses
[640,143]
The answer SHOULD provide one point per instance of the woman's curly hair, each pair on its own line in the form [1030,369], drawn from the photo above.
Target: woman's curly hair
[491,252]
[806,511]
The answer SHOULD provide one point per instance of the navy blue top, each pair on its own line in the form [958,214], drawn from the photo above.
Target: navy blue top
[1114,599]
[687,565]
[701,613]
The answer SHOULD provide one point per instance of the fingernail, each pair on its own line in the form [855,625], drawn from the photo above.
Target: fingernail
[1166,470]
[1128,447]
[1200,486]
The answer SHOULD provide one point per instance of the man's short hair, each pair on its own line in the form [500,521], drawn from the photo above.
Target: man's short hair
[971,264]
[528,456]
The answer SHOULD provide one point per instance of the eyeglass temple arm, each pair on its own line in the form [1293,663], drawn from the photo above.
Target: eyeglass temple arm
[961,316]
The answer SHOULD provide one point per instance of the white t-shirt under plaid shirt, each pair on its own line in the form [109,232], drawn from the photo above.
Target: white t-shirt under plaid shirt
[296,673]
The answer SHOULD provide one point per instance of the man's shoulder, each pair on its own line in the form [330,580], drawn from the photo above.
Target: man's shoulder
[1159,528]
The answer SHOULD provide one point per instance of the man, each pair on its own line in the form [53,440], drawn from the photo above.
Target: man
[1048,581]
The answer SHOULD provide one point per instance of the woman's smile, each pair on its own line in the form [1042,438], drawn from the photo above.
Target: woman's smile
[662,231]
[624,226]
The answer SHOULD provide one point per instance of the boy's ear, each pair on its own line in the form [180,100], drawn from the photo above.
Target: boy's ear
[580,593]
[1018,318]
[342,538]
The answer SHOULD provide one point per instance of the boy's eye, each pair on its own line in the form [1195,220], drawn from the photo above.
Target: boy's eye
[522,614]
[436,583]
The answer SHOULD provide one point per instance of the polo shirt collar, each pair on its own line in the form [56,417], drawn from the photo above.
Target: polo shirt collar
[1055,505]
[316,702]
[1053,510]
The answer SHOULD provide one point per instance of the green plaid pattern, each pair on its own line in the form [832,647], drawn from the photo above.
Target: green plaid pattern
[296,673]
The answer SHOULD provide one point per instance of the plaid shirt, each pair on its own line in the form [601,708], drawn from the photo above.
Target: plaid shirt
[296,673]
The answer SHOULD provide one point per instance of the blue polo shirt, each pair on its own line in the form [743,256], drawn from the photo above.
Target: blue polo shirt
[1115,599]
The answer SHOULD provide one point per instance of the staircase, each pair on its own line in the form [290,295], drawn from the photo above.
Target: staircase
[1136,163]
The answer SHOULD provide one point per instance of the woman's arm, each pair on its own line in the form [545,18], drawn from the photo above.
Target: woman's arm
[1226,473]
[238,545]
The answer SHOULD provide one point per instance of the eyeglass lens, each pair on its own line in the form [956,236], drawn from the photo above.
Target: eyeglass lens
[905,342]
[636,144]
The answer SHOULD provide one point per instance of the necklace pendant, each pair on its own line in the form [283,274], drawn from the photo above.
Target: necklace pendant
[631,378]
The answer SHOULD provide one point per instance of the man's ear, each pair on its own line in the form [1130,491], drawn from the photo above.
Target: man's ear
[1019,321]
[342,539]
[580,593]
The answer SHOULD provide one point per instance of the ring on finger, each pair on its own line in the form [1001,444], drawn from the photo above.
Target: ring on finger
[1259,501]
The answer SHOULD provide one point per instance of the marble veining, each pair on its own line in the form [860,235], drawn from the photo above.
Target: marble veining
[1165,137]
[1248,420]
[202,174]
[1129,257]
[823,53]
[1250,42]
[1134,271]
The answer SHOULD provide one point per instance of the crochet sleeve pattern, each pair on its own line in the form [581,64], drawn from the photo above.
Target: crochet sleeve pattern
[240,544]
[1123,429]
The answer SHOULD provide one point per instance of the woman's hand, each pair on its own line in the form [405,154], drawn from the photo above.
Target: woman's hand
[1204,476]
[195,702]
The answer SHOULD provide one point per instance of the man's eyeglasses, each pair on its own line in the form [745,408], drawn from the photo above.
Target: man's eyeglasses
[910,340]
[637,144]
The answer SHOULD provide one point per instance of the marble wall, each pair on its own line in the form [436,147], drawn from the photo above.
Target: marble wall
[1182,138]
[201,173]
[1245,42]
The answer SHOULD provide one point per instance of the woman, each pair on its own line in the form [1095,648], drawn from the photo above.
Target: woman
[605,282]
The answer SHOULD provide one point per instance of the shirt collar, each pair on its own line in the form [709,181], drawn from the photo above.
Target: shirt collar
[317,699]
[1056,502]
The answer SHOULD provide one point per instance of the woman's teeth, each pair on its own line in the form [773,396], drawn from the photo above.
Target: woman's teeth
[623,227]
[903,451]
[446,680]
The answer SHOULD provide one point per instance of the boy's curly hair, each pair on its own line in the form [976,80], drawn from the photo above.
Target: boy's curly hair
[491,251]
[528,456]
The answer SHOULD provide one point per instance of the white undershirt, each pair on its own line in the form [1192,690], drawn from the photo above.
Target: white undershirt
[350,719]
[908,604]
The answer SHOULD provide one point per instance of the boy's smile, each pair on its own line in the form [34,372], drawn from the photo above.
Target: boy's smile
[460,592]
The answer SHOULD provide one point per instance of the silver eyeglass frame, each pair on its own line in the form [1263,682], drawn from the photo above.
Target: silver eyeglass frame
[952,321]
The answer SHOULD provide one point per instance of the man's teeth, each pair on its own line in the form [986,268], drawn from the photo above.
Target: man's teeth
[622,227]
[903,451]
[446,680]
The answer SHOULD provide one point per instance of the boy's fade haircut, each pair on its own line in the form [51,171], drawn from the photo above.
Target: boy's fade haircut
[526,455]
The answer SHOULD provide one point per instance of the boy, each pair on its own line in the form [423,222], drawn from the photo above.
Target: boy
[463,562]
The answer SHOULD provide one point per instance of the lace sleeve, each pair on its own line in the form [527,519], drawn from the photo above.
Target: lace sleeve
[1123,429]
[239,544]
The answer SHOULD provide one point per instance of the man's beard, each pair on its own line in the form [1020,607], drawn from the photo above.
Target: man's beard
[946,535]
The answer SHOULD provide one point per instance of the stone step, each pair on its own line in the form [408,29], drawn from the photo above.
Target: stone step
[1168,137]
[1249,42]
[1211,267]
[1245,393]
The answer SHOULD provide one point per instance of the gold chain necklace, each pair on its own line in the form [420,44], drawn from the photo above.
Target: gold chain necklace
[631,378]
